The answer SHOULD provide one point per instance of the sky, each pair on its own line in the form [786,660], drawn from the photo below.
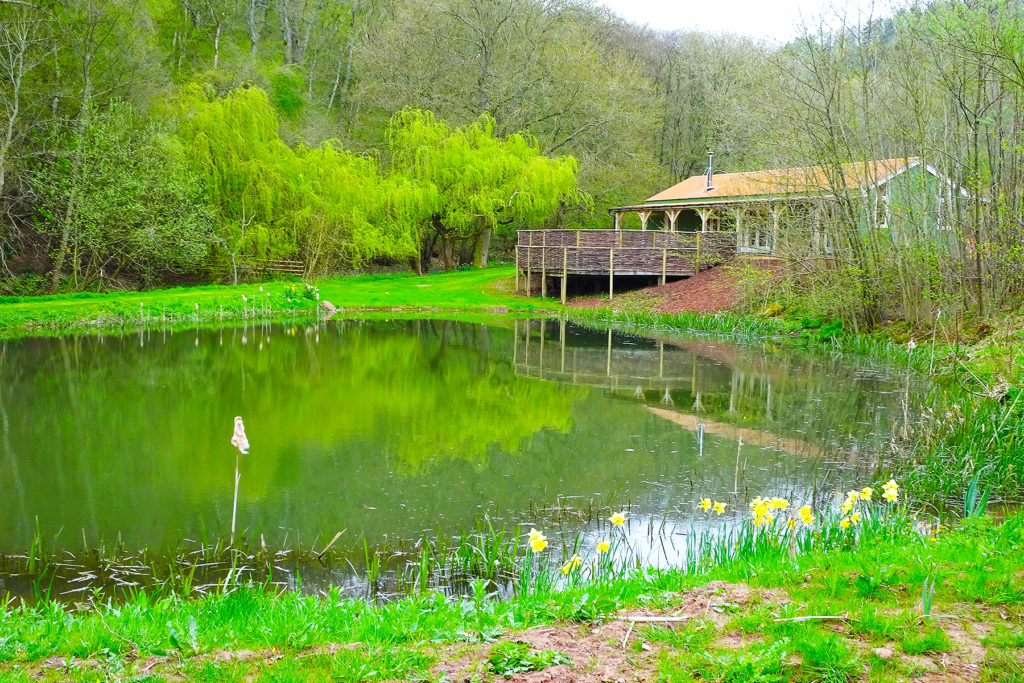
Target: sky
[775,20]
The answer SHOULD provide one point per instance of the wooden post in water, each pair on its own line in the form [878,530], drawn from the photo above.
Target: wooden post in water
[515,342]
[608,361]
[561,339]
[565,271]
[541,364]
[611,274]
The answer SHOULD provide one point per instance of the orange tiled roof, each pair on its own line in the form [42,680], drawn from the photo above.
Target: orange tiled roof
[783,181]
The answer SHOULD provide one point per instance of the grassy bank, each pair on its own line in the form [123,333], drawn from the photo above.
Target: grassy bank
[467,291]
[879,600]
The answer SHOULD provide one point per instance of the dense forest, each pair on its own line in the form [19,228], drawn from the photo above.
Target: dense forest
[158,141]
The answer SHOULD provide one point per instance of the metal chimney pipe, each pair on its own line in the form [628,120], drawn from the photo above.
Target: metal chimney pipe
[711,171]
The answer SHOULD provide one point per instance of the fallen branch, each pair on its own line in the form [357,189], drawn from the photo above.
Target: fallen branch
[816,618]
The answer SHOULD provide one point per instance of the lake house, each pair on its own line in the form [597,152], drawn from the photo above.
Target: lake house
[708,218]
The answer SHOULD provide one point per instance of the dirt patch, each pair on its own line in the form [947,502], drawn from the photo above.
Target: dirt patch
[710,291]
[611,651]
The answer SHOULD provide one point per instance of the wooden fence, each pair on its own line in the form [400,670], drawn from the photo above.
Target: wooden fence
[561,253]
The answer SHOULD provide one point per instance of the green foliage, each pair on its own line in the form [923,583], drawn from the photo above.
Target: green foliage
[125,197]
[474,180]
[322,203]
[508,659]
[756,664]
[286,91]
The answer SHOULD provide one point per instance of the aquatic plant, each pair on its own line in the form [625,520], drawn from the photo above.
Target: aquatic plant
[239,441]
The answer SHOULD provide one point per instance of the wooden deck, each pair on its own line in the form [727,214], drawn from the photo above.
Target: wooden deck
[561,253]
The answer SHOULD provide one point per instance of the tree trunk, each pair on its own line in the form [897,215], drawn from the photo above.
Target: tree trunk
[69,212]
[482,248]
[253,25]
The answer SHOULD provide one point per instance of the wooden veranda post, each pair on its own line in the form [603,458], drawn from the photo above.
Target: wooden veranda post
[565,271]
[517,266]
[544,266]
[611,274]
[529,268]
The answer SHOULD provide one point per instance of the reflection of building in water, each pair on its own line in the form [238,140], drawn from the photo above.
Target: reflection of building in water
[796,404]
[628,365]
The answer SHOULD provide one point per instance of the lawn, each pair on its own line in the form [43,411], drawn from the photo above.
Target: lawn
[484,291]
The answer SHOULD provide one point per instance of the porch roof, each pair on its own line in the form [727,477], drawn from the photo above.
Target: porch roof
[773,185]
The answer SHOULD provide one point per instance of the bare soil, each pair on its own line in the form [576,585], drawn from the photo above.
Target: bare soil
[710,291]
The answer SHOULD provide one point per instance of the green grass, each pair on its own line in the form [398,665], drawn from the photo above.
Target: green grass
[483,291]
[301,637]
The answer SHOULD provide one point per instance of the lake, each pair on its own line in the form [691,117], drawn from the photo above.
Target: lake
[393,431]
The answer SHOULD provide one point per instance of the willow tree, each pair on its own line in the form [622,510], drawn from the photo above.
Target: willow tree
[475,180]
[323,204]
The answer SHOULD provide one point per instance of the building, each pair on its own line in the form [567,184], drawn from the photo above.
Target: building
[771,208]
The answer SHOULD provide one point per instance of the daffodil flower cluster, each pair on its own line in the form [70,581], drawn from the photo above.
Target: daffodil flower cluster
[806,516]
[764,509]
[574,562]
[706,505]
[537,541]
[852,516]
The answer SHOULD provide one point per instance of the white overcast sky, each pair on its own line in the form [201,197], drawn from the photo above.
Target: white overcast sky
[775,20]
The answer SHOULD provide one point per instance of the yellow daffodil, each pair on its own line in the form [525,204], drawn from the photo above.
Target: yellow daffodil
[790,523]
[845,522]
[866,493]
[891,493]
[846,507]
[779,503]
[603,546]
[769,518]
[806,516]
[855,518]
[535,534]
[852,496]
[574,562]
[538,543]
[705,503]
[618,519]
[719,507]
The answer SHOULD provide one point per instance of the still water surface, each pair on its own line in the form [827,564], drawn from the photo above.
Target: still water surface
[394,430]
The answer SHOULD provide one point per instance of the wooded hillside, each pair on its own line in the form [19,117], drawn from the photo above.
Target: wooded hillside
[160,140]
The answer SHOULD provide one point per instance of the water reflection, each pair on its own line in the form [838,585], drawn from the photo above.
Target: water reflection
[394,430]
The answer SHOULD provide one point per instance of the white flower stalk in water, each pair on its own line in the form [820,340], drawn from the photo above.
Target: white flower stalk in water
[238,439]
[241,442]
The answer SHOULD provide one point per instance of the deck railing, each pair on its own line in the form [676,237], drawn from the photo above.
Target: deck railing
[562,253]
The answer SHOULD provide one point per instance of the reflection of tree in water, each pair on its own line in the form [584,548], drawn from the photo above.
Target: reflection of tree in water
[104,421]
[804,399]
